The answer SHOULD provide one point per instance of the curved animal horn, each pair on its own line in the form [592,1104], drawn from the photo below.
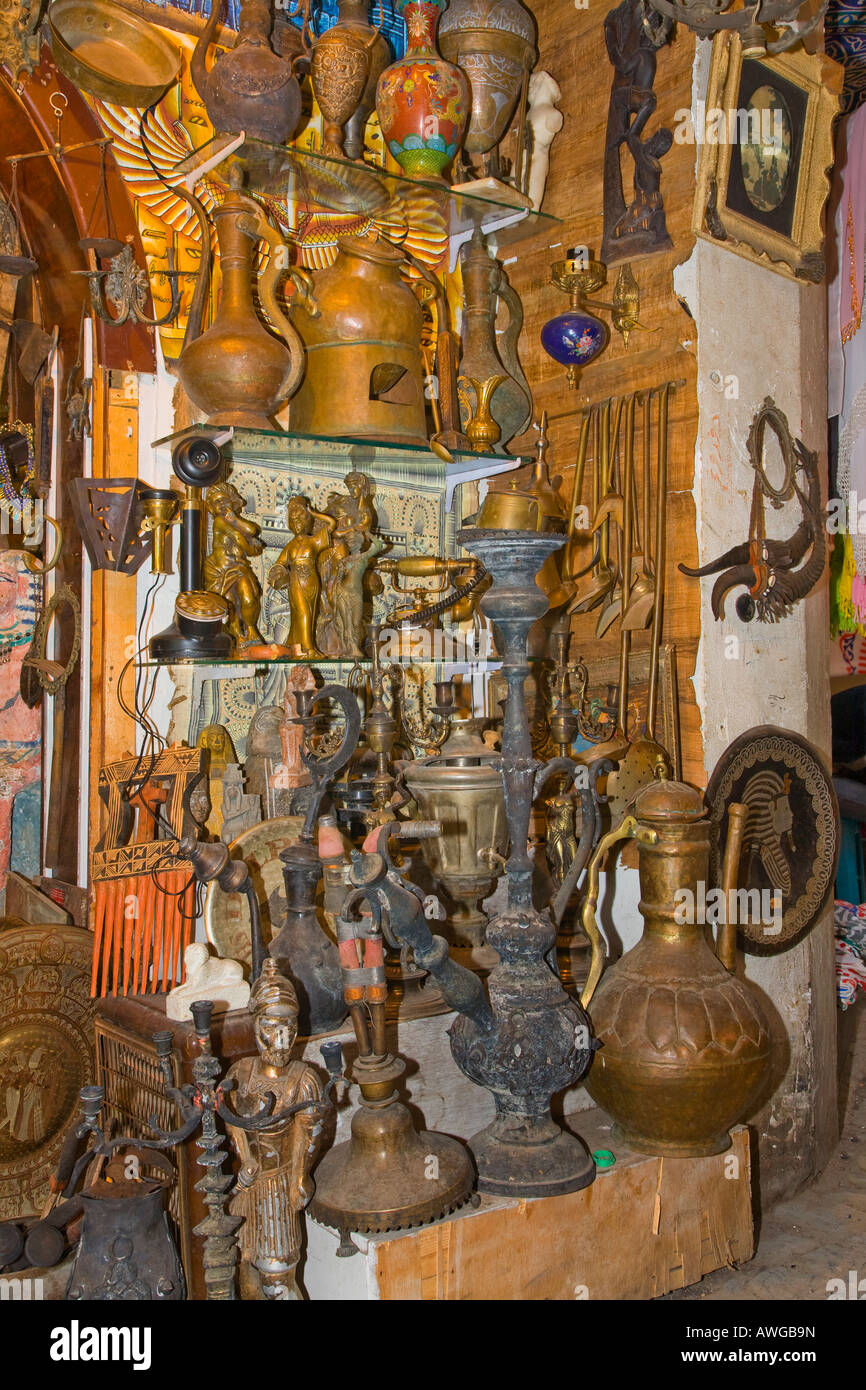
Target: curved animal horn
[738,574]
[737,555]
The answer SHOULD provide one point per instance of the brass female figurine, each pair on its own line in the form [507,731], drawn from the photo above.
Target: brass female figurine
[297,570]
[227,570]
[274,1183]
[347,596]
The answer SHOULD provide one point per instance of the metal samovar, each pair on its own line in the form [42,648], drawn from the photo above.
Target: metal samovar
[685,1045]
[461,791]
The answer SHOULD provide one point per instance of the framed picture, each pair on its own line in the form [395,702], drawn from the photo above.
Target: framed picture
[765,135]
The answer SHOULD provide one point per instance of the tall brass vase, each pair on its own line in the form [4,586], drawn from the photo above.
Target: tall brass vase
[685,1045]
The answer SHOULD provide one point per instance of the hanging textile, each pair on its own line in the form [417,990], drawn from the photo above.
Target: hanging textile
[847,349]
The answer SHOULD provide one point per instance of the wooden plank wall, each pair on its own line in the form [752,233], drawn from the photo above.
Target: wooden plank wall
[572,49]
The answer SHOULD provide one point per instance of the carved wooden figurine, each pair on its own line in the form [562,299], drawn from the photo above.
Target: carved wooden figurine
[634,32]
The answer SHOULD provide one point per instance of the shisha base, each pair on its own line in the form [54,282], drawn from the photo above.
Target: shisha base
[389,1177]
[527,1159]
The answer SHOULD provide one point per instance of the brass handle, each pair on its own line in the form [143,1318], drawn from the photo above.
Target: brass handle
[628,829]
[32,562]
[726,942]
[278,261]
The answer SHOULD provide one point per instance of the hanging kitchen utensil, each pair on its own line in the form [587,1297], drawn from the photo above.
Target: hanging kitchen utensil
[39,672]
[592,591]
[640,605]
[646,759]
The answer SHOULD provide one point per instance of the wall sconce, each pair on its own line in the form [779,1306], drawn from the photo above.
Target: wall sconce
[109,513]
[577,337]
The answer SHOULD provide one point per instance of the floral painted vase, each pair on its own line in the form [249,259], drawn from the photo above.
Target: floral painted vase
[422,101]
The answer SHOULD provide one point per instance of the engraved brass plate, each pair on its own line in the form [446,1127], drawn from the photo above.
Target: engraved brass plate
[791,844]
[46,1054]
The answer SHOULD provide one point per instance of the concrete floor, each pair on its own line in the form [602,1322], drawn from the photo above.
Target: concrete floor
[819,1235]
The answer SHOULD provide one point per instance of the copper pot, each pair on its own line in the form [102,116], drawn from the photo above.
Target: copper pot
[237,372]
[685,1045]
[365,376]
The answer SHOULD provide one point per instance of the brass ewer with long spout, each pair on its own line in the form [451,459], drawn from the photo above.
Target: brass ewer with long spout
[685,1045]
[237,372]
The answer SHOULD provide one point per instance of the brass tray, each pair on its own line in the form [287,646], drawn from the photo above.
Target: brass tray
[111,53]
[46,1054]
[226,915]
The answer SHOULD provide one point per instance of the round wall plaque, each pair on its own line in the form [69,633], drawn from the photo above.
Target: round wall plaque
[46,1054]
[791,844]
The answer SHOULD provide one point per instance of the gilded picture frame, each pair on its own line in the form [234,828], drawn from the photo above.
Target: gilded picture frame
[765,136]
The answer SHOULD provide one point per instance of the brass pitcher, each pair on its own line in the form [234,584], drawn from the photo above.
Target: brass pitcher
[237,372]
[685,1045]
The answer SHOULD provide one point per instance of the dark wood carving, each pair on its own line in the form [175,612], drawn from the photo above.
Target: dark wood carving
[634,32]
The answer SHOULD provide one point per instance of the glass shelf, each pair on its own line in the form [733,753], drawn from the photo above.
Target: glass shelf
[356,188]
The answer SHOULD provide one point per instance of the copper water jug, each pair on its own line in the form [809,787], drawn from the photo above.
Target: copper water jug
[365,376]
[237,372]
[685,1045]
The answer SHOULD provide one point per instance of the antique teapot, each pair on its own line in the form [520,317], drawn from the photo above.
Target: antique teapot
[251,89]
[685,1045]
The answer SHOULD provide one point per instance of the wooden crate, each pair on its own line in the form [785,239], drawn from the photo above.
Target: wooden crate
[644,1227]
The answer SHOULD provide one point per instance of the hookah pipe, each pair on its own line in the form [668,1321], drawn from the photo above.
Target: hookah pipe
[381,1178]
[213,862]
[397,909]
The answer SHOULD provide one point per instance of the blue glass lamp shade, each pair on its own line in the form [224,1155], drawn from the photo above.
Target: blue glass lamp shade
[574,338]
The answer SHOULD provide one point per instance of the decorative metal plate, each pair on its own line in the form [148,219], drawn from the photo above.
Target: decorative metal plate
[791,845]
[46,1054]
[226,915]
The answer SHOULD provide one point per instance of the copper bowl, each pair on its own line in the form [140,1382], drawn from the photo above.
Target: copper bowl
[110,53]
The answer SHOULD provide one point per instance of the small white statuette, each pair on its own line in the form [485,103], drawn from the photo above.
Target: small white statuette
[544,122]
[207,977]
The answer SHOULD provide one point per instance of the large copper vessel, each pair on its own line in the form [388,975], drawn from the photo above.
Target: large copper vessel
[364,376]
[237,372]
[685,1045]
